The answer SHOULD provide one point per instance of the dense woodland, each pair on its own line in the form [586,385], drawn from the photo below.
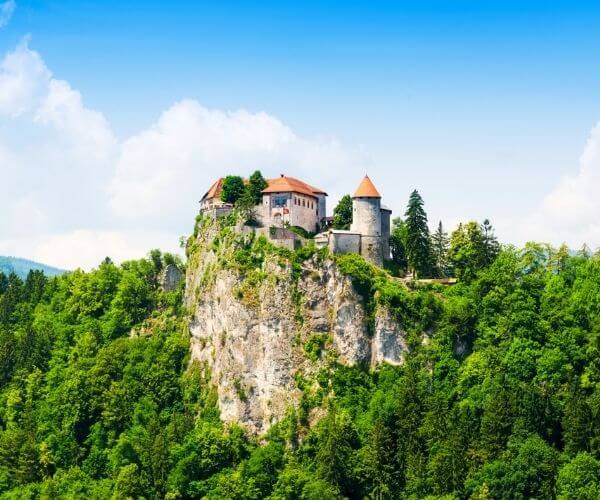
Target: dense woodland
[499,396]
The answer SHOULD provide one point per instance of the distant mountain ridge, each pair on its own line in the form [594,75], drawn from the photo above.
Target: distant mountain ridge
[21,267]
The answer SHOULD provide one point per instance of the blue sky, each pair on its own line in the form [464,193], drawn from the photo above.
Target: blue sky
[485,107]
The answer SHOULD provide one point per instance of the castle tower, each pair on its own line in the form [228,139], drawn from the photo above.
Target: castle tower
[366,220]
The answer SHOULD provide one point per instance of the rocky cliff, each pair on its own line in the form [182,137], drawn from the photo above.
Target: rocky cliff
[266,321]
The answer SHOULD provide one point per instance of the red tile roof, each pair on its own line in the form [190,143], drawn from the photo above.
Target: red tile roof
[286,184]
[281,184]
[215,190]
[366,189]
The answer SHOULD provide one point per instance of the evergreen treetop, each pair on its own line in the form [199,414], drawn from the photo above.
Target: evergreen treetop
[418,248]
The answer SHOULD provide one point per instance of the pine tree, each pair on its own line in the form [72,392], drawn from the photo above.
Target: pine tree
[418,248]
[439,249]
[490,243]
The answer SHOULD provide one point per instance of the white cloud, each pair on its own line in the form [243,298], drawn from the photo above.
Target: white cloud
[162,172]
[56,155]
[24,80]
[72,193]
[76,194]
[86,248]
[570,213]
[6,11]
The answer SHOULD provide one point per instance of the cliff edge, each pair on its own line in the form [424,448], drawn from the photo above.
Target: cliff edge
[266,321]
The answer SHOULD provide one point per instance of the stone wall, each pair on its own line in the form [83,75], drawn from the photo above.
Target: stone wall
[366,220]
[217,211]
[366,216]
[370,249]
[385,232]
[322,201]
[344,242]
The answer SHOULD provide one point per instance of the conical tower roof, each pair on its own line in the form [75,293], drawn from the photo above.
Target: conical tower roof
[366,189]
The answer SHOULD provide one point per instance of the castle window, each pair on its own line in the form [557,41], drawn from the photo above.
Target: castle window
[279,200]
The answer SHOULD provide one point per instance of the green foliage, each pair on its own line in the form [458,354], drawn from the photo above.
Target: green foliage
[342,213]
[300,231]
[89,409]
[315,344]
[233,189]
[439,250]
[417,243]
[398,245]
[378,288]
[579,479]
[256,184]
[498,395]
[472,248]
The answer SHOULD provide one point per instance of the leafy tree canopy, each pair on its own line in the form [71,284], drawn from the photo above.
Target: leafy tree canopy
[342,213]
[233,189]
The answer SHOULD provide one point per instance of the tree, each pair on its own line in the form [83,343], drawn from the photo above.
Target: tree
[579,479]
[233,188]
[335,454]
[342,213]
[155,256]
[398,244]
[245,205]
[3,282]
[491,247]
[256,184]
[439,249]
[418,248]
[473,247]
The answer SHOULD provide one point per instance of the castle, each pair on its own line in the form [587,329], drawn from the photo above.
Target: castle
[288,202]
[369,233]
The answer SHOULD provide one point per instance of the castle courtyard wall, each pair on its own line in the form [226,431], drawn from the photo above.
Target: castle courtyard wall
[344,242]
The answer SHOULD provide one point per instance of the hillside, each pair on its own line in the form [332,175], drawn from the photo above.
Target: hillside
[22,266]
[300,375]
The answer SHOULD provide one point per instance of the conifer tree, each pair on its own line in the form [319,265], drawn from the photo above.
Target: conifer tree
[439,249]
[418,248]
[490,243]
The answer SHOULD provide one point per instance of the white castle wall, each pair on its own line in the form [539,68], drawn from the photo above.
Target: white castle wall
[301,211]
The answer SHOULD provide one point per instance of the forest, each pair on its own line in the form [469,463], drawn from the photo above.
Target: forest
[98,398]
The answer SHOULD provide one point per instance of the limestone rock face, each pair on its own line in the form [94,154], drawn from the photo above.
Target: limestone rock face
[252,338]
[170,277]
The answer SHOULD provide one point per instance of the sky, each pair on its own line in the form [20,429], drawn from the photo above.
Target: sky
[115,117]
